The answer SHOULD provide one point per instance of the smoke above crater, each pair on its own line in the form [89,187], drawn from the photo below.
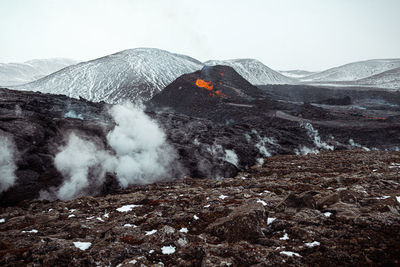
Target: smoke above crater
[139,154]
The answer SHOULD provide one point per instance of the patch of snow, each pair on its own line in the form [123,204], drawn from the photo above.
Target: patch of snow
[127,208]
[133,262]
[151,251]
[327,214]
[312,244]
[2,220]
[383,197]
[290,253]
[50,210]
[168,250]
[195,217]
[270,220]
[72,215]
[100,219]
[184,230]
[284,237]
[130,225]
[72,210]
[106,215]
[89,218]
[151,232]
[222,196]
[33,231]
[82,245]
[262,202]
[207,206]
[398,199]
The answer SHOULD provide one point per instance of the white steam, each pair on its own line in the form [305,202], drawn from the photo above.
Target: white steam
[142,155]
[314,136]
[261,144]
[7,164]
[231,157]
[303,150]
[72,114]
[75,160]
[354,144]
[227,155]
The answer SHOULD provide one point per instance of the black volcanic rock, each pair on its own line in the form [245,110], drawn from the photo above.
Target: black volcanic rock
[215,92]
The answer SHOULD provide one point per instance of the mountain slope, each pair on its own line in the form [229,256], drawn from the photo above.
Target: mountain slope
[389,79]
[130,74]
[254,71]
[354,71]
[20,73]
[296,74]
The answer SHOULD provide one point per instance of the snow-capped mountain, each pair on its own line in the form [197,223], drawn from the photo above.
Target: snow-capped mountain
[127,75]
[20,73]
[389,79]
[354,71]
[254,71]
[296,74]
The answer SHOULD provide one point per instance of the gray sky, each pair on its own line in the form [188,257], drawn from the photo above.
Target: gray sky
[283,34]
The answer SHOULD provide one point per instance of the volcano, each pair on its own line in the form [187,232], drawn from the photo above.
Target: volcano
[214,92]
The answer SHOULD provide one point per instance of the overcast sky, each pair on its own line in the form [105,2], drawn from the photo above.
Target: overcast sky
[283,34]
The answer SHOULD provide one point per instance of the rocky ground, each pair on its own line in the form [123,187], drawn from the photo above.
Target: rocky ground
[333,209]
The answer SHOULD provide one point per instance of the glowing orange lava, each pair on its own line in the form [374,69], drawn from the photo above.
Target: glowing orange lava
[204,84]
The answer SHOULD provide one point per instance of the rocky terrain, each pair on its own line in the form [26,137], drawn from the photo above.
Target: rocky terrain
[333,209]
[212,171]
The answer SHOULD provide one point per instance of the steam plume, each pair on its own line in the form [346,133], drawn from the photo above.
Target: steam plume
[142,155]
[7,164]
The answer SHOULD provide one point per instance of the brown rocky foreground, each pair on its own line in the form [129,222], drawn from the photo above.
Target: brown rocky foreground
[335,208]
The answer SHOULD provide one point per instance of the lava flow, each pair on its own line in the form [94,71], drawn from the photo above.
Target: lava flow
[210,87]
[204,84]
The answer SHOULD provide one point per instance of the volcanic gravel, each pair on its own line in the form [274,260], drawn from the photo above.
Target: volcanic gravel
[332,209]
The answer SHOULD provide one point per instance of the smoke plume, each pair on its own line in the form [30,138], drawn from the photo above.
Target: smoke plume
[7,164]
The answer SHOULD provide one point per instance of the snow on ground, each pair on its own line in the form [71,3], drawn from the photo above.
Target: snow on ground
[262,202]
[168,250]
[327,214]
[284,237]
[2,220]
[82,245]
[33,231]
[290,253]
[222,196]
[195,217]
[151,232]
[312,244]
[270,220]
[183,230]
[382,197]
[129,225]
[127,208]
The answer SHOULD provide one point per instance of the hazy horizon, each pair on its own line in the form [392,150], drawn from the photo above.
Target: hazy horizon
[285,35]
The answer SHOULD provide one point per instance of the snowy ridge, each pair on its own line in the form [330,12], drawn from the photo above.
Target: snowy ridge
[130,74]
[20,73]
[389,79]
[354,71]
[296,74]
[254,71]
